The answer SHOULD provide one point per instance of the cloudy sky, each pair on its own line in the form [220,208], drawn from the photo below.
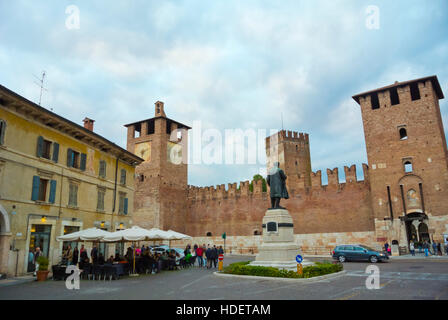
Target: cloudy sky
[229,64]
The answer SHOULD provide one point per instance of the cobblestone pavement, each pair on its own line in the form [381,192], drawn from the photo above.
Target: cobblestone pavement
[402,279]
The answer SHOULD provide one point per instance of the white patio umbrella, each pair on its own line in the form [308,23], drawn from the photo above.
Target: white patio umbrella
[176,236]
[92,235]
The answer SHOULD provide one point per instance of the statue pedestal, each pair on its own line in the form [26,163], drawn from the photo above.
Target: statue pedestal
[278,249]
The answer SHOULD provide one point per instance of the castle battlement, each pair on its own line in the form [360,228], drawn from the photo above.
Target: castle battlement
[333,177]
[296,184]
[287,136]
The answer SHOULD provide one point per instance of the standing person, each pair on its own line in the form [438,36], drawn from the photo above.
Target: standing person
[215,255]
[75,256]
[68,255]
[386,247]
[83,254]
[426,248]
[434,247]
[204,257]
[220,250]
[199,256]
[31,260]
[439,248]
[37,254]
[94,254]
[208,255]
[412,248]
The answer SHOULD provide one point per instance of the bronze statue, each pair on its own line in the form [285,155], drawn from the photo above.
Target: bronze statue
[276,180]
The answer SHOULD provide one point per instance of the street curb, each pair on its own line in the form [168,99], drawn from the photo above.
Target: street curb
[314,279]
[13,282]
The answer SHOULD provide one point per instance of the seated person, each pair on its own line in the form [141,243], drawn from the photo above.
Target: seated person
[101,259]
[110,260]
[117,257]
[84,263]
[172,260]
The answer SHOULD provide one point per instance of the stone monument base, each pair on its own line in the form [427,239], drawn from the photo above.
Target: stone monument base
[278,249]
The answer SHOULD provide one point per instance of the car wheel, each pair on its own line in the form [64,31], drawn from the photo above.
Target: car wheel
[342,259]
[373,259]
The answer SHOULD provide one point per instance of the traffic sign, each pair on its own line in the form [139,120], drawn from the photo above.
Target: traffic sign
[221,257]
[299,258]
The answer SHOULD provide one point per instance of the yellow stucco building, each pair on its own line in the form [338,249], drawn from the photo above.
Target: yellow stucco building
[56,177]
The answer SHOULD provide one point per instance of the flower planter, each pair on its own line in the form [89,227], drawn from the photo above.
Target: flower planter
[42,275]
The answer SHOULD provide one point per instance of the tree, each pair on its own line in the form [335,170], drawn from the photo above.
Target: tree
[256,178]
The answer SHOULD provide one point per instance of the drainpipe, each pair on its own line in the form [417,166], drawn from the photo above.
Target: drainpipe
[115,186]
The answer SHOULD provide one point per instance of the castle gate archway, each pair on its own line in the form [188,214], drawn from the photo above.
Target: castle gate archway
[416,227]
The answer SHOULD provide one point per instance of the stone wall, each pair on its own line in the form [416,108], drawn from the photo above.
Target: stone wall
[336,207]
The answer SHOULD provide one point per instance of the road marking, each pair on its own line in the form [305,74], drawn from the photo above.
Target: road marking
[404,275]
[194,281]
[385,284]
[349,296]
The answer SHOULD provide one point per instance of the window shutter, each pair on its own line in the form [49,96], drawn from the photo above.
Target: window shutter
[52,191]
[102,168]
[35,192]
[69,157]
[2,131]
[83,161]
[123,176]
[40,146]
[55,152]
[125,211]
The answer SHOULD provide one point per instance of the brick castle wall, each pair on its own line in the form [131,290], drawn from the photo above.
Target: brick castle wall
[336,207]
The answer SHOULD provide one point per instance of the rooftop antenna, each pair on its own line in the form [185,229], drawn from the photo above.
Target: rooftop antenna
[41,85]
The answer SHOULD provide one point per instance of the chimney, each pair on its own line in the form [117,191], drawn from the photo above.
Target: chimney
[88,124]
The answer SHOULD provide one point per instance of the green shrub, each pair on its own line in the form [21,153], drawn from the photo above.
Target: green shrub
[319,269]
[43,263]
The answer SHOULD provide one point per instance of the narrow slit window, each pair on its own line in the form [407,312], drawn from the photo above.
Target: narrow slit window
[375,101]
[390,203]
[415,91]
[394,99]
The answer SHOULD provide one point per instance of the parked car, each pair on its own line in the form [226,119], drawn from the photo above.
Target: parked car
[355,252]
[162,249]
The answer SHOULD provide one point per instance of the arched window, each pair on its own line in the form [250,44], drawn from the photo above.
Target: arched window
[403,134]
[407,166]
[256,233]
[2,131]
[209,234]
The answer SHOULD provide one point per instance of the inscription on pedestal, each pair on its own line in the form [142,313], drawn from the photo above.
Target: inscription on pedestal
[272,226]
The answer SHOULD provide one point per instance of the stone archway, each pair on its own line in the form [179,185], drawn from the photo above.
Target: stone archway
[5,238]
[412,224]
[423,232]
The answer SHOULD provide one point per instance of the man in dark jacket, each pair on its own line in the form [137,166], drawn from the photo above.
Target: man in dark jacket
[94,254]
[208,255]
[215,256]
[276,180]
[75,256]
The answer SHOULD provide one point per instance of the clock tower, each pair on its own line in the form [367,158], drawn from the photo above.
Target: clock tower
[161,180]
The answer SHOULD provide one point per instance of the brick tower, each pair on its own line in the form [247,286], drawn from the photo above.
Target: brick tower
[292,150]
[161,180]
[408,159]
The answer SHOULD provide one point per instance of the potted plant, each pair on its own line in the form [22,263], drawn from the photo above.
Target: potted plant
[42,273]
